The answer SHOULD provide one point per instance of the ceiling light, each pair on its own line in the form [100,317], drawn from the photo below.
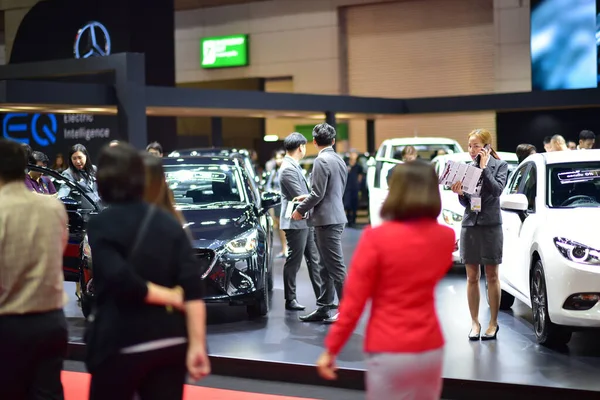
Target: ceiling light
[271,138]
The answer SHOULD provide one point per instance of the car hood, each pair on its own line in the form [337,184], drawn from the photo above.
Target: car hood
[215,225]
[577,224]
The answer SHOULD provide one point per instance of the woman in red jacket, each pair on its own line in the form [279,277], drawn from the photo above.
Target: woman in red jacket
[397,266]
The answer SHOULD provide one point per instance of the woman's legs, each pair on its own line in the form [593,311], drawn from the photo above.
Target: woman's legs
[153,375]
[493,285]
[473,277]
[399,376]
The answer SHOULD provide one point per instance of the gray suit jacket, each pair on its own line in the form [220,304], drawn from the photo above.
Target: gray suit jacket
[293,184]
[494,180]
[326,197]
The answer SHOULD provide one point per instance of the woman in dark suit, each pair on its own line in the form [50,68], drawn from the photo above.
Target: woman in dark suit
[149,314]
[481,237]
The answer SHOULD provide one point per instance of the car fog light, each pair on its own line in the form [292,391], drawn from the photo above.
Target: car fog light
[581,301]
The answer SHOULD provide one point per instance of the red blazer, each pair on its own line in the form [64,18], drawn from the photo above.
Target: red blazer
[397,266]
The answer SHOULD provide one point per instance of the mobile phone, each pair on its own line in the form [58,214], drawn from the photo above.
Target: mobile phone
[478,158]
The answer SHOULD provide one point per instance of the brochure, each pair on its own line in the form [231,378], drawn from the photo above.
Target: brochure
[454,172]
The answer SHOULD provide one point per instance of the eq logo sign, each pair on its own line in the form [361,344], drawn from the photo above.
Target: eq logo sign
[23,127]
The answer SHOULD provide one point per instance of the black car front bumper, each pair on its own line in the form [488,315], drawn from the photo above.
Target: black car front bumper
[231,278]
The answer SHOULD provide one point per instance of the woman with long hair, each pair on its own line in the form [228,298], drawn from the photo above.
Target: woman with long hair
[82,171]
[157,191]
[404,340]
[481,237]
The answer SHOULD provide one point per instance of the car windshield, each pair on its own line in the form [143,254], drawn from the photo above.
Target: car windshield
[426,151]
[204,184]
[574,185]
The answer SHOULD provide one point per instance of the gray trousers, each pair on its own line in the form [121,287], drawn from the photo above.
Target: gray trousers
[329,243]
[301,242]
[405,376]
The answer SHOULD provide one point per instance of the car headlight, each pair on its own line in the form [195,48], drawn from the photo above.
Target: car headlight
[451,218]
[244,243]
[577,252]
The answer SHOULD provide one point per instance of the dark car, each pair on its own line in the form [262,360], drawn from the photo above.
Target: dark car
[230,226]
[80,208]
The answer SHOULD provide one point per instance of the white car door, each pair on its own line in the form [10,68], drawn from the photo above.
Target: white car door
[530,189]
[511,226]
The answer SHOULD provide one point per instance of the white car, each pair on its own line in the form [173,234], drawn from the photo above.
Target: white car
[551,260]
[452,211]
[379,166]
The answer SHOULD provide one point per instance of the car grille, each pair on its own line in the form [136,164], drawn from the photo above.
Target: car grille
[207,259]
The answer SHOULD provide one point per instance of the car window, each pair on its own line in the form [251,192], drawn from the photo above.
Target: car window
[529,187]
[204,184]
[381,153]
[426,151]
[516,178]
[574,185]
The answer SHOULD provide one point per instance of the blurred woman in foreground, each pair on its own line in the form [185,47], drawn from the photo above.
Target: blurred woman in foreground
[404,340]
[149,316]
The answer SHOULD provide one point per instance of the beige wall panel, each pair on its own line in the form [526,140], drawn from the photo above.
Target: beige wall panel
[421,48]
[411,49]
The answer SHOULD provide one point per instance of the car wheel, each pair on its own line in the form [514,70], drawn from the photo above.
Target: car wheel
[506,299]
[546,332]
[260,308]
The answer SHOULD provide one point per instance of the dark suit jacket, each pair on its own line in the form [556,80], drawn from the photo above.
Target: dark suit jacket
[328,184]
[165,257]
[292,184]
[494,180]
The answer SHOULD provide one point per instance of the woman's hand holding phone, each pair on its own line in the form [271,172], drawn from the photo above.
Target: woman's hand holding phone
[484,155]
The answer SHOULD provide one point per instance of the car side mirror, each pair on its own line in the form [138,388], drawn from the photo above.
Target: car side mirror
[71,204]
[514,202]
[269,200]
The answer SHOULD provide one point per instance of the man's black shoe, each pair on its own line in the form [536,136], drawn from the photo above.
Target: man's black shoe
[318,315]
[293,305]
[333,319]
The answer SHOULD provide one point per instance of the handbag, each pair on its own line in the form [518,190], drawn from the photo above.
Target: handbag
[100,342]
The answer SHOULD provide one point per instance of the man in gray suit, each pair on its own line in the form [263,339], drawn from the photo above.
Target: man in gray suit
[325,206]
[300,237]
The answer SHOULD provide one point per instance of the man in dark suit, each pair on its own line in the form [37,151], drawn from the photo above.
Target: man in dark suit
[326,206]
[300,237]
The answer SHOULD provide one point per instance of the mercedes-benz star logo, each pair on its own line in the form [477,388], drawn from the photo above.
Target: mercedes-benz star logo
[93,40]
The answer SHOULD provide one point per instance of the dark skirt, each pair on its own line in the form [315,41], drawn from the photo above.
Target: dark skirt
[481,244]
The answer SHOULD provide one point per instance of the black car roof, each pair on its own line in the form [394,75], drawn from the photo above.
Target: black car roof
[202,160]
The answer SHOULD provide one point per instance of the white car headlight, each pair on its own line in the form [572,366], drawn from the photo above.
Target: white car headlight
[244,243]
[451,218]
[577,252]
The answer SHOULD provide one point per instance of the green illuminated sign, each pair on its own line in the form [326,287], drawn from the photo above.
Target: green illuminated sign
[224,51]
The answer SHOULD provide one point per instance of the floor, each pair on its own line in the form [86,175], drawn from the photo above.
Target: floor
[261,386]
[514,358]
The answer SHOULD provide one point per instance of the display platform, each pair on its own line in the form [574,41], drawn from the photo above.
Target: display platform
[282,348]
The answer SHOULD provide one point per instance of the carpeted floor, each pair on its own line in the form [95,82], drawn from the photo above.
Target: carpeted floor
[76,386]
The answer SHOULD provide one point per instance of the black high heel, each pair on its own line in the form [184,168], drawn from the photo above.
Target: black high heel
[472,336]
[485,336]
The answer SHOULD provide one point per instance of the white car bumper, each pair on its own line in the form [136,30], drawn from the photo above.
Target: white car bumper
[564,279]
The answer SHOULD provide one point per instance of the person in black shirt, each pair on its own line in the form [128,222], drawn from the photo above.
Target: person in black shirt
[355,177]
[149,314]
